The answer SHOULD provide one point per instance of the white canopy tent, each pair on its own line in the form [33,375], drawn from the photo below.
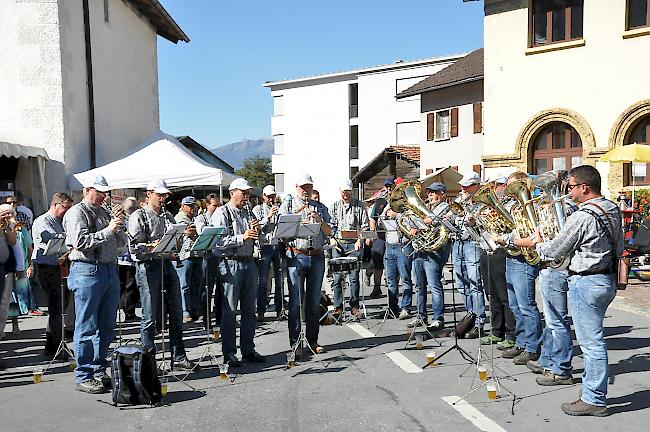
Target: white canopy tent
[161,156]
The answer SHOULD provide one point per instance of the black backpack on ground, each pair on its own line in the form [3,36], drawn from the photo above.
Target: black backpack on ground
[135,377]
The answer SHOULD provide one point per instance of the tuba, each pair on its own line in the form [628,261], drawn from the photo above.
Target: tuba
[405,199]
[552,211]
[524,214]
[495,218]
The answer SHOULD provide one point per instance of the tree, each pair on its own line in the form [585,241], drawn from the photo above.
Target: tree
[257,170]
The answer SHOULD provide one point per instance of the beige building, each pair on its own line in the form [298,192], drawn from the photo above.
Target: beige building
[564,86]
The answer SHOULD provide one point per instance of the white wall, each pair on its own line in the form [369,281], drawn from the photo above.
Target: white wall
[598,80]
[464,150]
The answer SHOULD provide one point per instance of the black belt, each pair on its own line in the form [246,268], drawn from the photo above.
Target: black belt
[591,273]
[311,253]
[238,258]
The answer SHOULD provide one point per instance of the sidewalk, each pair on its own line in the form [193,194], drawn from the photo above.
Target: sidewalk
[635,299]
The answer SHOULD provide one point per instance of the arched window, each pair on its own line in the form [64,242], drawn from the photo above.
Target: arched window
[557,146]
[640,134]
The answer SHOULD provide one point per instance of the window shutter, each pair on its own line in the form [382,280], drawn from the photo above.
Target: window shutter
[455,167]
[430,123]
[478,117]
[429,171]
[476,169]
[454,122]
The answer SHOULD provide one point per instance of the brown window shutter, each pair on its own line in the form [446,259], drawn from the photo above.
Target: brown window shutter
[478,117]
[429,171]
[455,167]
[430,123]
[476,169]
[454,122]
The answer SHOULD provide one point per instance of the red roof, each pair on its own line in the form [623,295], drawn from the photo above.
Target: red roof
[410,152]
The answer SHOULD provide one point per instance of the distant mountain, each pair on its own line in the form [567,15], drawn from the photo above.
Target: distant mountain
[235,153]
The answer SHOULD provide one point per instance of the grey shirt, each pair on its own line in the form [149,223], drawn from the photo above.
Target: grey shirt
[584,240]
[349,217]
[203,220]
[290,205]
[236,222]
[188,241]
[44,228]
[147,226]
[88,237]
[266,226]
[462,222]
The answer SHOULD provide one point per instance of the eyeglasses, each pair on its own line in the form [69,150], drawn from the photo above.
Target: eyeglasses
[571,186]
[11,202]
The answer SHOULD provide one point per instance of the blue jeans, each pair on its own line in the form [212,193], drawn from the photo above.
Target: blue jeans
[428,267]
[590,297]
[520,279]
[96,289]
[353,277]
[190,278]
[239,279]
[305,279]
[148,275]
[557,346]
[466,256]
[270,255]
[398,265]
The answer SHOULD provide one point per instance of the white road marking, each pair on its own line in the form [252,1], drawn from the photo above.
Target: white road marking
[361,330]
[472,414]
[400,360]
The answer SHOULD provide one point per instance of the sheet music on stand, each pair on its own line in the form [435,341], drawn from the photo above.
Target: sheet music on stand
[207,239]
[56,245]
[168,242]
[287,227]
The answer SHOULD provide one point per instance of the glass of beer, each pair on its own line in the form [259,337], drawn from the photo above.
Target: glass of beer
[223,371]
[419,339]
[492,390]
[482,372]
[38,375]
[291,360]
[216,333]
[431,358]
[163,386]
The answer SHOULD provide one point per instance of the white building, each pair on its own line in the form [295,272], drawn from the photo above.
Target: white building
[79,80]
[564,86]
[331,125]
[451,119]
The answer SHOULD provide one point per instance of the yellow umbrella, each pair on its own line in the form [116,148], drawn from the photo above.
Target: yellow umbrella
[634,153]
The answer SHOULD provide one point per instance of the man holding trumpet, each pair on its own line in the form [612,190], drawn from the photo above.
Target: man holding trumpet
[93,238]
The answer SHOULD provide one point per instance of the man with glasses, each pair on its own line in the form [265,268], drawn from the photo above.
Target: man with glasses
[48,271]
[593,238]
[21,216]
[147,225]
[210,261]
[238,273]
[93,238]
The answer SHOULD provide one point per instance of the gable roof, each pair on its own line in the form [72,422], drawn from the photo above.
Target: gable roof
[161,20]
[204,153]
[466,69]
[410,153]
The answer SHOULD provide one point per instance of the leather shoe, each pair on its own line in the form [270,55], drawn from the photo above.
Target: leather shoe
[254,357]
[231,360]
[185,364]
[474,333]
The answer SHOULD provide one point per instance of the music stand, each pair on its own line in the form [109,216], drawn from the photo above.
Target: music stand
[56,247]
[202,245]
[168,244]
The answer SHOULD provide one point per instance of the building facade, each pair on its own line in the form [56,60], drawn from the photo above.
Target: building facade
[565,81]
[332,125]
[80,80]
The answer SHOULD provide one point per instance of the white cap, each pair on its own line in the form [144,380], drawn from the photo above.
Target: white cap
[240,183]
[500,179]
[346,185]
[269,190]
[97,182]
[159,186]
[303,179]
[470,178]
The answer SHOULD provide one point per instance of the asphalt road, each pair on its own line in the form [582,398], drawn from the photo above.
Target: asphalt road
[370,383]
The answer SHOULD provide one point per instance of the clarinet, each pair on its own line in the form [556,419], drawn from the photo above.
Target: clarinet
[163,211]
[251,225]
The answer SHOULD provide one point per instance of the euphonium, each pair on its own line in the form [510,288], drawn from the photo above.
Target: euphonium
[405,199]
[525,215]
[495,218]
[552,211]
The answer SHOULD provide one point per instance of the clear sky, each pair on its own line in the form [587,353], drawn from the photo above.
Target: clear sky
[212,89]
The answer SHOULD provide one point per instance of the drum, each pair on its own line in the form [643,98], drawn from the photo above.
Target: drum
[343,264]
